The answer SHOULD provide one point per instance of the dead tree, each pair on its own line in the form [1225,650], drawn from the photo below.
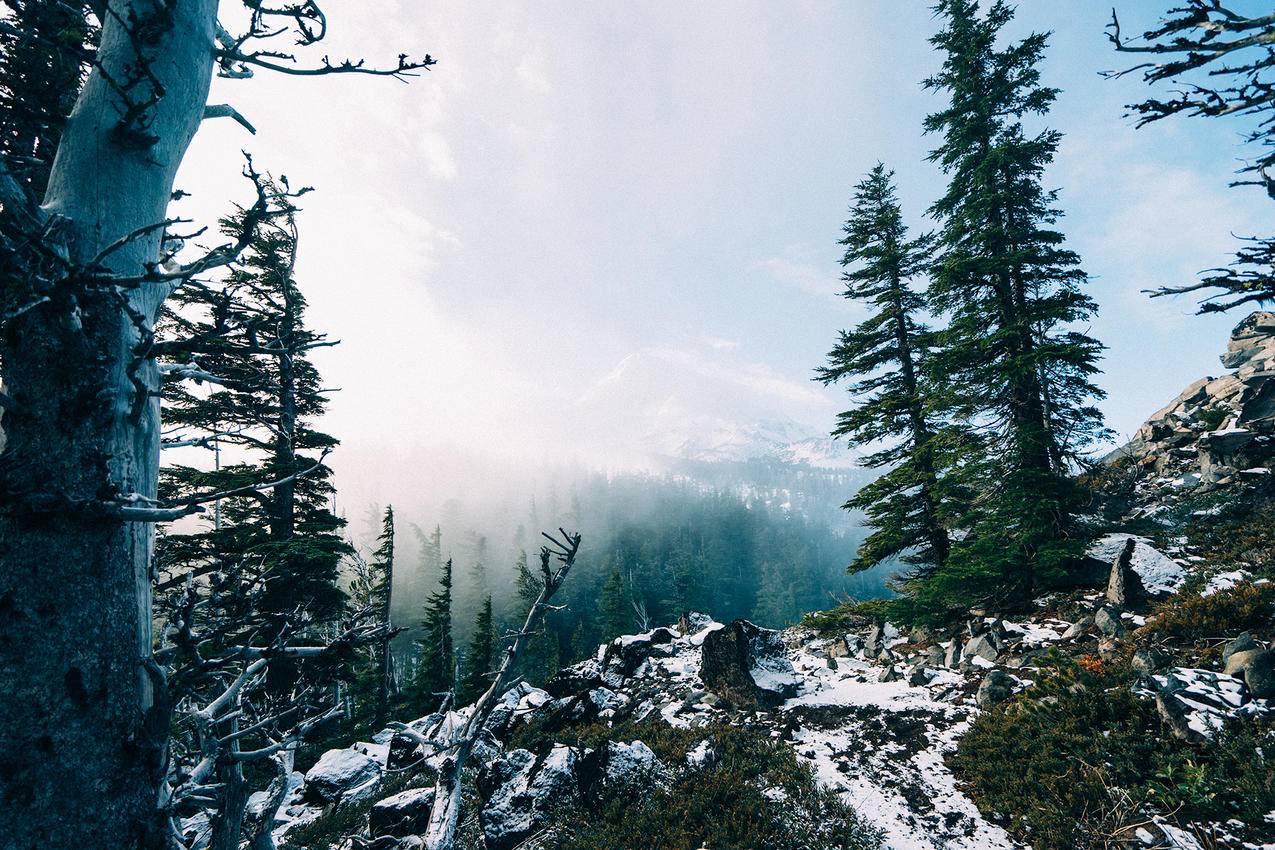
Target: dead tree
[441,832]
[83,727]
[1221,63]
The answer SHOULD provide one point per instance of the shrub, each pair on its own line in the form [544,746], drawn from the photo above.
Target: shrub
[1079,759]
[1202,622]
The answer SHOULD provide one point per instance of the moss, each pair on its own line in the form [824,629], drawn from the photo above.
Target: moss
[1080,759]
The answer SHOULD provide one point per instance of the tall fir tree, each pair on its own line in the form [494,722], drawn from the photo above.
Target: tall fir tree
[886,359]
[382,598]
[478,661]
[1016,368]
[250,331]
[436,669]
[614,607]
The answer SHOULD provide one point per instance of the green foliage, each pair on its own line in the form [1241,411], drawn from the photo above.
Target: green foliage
[478,661]
[1080,757]
[1011,362]
[724,806]
[436,668]
[886,359]
[615,607]
[1204,622]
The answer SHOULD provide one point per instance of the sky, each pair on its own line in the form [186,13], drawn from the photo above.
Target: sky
[592,221]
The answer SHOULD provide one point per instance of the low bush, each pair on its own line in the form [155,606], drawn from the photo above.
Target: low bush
[1079,760]
[1197,625]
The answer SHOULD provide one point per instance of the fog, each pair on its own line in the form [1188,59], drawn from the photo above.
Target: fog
[594,233]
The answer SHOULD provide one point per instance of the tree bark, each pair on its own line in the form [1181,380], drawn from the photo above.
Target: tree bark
[81,733]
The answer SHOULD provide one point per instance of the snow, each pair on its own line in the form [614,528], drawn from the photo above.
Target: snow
[1159,572]
[1225,581]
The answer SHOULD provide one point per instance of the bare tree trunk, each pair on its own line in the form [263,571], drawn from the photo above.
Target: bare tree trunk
[81,737]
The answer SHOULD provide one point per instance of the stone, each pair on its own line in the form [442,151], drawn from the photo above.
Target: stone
[1147,661]
[1107,619]
[626,654]
[693,622]
[338,773]
[524,793]
[633,764]
[934,656]
[837,648]
[403,814]
[996,687]
[918,676]
[1257,668]
[982,646]
[1077,628]
[1242,643]
[952,657]
[1124,586]
[889,674]
[874,642]
[748,665]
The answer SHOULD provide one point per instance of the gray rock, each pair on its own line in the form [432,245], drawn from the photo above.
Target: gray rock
[952,657]
[1172,711]
[1257,668]
[634,765]
[874,642]
[1124,586]
[524,793]
[997,687]
[747,665]
[1240,644]
[338,773]
[890,674]
[401,815]
[982,646]
[918,676]
[693,622]
[934,656]
[1147,661]
[1107,619]
[1078,628]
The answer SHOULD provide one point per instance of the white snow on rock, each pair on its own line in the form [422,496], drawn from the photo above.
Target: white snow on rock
[1159,572]
[337,773]
[1224,581]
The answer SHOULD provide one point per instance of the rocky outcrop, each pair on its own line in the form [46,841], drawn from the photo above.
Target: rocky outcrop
[339,775]
[747,665]
[1218,430]
[524,793]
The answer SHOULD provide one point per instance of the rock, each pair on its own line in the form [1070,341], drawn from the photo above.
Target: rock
[401,815]
[626,654]
[693,622]
[982,646]
[1124,587]
[1257,668]
[1077,628]
[996,687]
[570,681]
[934,656]
[837,648]
[889,674]
[634,765]
[952,657]
[747,665]
[1173,712]
[1158,572]
[337,773]
[1107,619]
[918,676]
[525,793]
[1147,661]
[874,642]
[701,756]
[1240,644]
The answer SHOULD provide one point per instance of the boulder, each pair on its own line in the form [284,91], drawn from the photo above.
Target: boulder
[934,656]
[338,773]
[983,646]
[918,675]
[1158,573]
[747,665]
[1077,628]
[401,815]
[633,764]
[1124,586]
[952,657]
[570,681]
[693,622]
[1257,668]
[996,687]
[1147,661]
[626,654]
[524,793]
[874,642]
[1107,619]
[1240,644]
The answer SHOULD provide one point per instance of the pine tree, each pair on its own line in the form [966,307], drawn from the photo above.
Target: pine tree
[250,332]
[540,660]
[381,597]
[436,671]
[478,664]
[886,357]
[1009,290]
[614,607]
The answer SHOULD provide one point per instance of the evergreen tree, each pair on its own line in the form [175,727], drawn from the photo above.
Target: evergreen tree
[436,671]
[381,598]
[540,659]
[250,332]
[478,664]
[1009,290]
[886,357]
[614,607]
